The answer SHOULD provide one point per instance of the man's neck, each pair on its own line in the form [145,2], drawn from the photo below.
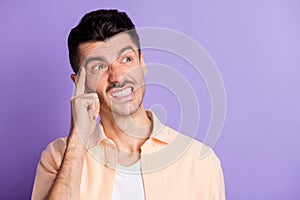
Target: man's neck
[128,132]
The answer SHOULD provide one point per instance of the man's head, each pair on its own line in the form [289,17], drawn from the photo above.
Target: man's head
[106,44]
[99,25]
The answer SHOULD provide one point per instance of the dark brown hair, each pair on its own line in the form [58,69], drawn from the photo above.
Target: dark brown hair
[96,26]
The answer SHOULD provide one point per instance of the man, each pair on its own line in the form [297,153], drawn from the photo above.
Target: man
[129,153]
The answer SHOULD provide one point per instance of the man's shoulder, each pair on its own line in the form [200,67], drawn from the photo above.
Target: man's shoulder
[57,145]
[53,154]
[194,149]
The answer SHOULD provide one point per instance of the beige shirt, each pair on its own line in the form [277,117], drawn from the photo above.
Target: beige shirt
[171,168]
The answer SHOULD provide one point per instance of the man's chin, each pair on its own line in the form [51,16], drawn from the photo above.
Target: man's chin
[124,110]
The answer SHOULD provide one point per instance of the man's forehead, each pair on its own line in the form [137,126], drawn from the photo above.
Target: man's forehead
[109,47]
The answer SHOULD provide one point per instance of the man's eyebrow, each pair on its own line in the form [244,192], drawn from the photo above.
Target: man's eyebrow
[90,59]
[100,58]
[127,48]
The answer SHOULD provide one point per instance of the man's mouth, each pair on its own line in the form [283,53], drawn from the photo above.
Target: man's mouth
[122,94]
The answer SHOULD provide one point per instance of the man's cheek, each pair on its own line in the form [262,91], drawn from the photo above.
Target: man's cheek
[92,83]
[102,94]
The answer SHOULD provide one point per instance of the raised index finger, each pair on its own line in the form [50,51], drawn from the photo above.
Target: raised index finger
[80,82]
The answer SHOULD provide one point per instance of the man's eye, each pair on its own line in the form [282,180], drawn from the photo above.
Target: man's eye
[98,67]
[127,59]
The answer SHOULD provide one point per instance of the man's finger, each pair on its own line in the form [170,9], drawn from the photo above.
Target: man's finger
[80,82]
[97,104]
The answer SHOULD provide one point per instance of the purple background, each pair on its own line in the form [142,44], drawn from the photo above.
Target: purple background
[255,45]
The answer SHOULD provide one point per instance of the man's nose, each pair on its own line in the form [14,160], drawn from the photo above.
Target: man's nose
[116,73]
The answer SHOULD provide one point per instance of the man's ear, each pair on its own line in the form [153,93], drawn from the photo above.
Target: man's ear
[144,67]
[73,77]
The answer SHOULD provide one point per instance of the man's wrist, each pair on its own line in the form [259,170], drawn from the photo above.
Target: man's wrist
[74,143]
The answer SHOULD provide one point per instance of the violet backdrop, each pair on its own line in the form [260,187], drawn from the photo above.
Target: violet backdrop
[255,45]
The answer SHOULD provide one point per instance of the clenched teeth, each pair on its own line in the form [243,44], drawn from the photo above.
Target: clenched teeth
[122,93]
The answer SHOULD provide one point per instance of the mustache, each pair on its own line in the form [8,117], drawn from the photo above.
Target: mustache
[119,85]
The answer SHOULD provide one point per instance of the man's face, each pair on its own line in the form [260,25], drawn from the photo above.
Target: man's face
[115,72]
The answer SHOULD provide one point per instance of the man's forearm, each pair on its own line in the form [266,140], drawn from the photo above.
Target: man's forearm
[67,183]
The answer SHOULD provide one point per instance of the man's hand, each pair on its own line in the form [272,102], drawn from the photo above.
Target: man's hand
[85,110]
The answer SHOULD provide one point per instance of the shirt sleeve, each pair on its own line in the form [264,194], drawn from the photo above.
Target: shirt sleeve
[219,186]
[48,168]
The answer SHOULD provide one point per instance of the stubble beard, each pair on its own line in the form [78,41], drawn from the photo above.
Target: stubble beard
[122,110]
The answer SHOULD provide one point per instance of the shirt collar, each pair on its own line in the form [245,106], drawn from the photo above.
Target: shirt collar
[160,132]
[105,150]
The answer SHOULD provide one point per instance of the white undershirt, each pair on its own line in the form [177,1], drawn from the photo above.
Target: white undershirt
[128,183]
